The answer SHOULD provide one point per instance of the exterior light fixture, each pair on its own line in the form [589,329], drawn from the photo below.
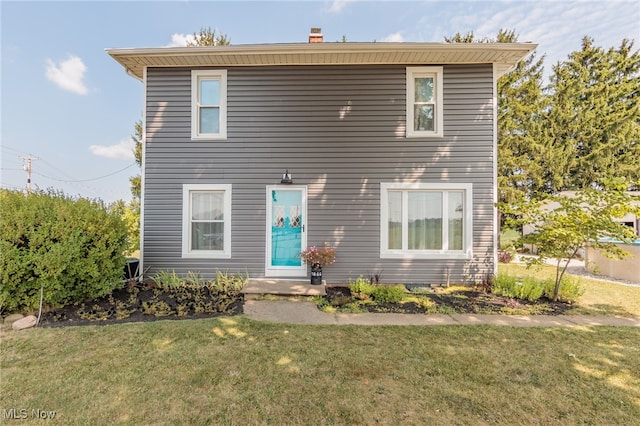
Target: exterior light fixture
[286,178]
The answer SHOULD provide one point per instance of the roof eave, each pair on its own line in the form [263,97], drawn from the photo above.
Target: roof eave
[506,55]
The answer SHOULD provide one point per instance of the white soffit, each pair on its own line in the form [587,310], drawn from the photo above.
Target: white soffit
[504,55]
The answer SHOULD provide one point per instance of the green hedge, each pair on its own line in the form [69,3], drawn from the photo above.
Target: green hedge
[73,248]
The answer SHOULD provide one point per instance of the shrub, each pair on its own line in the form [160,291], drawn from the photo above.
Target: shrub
[166,279]
[73,248]
[388,293]
[505,256]
[570,289]
[504,285]
[531,289]
[361,288]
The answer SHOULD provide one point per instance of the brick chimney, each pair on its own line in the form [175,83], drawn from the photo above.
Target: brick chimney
[315,36]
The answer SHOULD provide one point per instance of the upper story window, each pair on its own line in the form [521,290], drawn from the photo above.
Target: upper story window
[424,102]
[426,220]
[209,104]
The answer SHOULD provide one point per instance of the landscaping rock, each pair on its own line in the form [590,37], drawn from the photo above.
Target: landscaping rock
[10,319]
[26,322]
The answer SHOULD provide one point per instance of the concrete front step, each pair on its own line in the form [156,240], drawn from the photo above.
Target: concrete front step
[256,288]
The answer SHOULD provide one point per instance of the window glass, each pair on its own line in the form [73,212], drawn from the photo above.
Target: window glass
[209,92]
[425,220]
[207,205]
[423,118]
[395,220]
[424,89]
[456,210]
[209,120]
[207,236]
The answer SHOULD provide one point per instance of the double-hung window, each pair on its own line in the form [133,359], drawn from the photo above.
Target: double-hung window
[426,220]
[206,221]
[424,102]
[208,104]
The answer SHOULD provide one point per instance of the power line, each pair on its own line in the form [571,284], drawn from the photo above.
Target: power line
[87,180]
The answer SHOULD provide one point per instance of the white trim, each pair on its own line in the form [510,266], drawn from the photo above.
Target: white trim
[411,74]
[143,168]
[495,169]
[284,271]
[467,243]
[187,189]
[196,76]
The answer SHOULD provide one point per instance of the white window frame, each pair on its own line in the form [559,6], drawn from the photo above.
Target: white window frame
[187,252]
[405,253]
[412,74]
[196,77]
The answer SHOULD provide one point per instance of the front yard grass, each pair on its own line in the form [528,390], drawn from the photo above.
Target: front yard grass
[233,370]
[239,371]
[599,298]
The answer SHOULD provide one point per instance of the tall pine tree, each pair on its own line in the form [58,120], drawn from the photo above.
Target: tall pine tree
[594,117]
[520,103]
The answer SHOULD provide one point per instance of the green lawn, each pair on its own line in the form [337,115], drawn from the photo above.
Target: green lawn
[600,297]
[238,371]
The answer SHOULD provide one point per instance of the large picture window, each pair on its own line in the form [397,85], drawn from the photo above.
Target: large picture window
[424,102]
[209,104]
[206,229]
[425,220]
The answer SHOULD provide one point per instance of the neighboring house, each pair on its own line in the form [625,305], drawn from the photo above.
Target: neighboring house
[391,149]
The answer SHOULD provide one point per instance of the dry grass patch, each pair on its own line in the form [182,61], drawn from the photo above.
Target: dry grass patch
[238,371]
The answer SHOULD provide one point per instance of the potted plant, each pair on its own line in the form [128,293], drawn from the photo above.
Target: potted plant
[317,257]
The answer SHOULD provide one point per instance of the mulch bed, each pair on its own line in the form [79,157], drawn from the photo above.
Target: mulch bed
[144,303]
[461,301]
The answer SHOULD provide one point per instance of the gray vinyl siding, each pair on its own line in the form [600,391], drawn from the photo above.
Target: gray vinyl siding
[338,130]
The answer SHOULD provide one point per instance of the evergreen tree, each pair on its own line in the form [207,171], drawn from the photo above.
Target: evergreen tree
[595,115]
[520,138]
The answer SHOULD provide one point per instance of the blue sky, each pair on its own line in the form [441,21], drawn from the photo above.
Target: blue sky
[65,101]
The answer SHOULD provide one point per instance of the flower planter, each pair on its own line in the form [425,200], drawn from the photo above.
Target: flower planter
[316,274]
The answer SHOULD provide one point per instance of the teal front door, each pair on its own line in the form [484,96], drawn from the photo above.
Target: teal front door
[286,231]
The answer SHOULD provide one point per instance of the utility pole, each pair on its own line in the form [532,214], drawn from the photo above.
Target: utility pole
[27,168]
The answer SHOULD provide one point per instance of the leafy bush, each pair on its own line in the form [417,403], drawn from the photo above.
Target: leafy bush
[361,288]
[570,289]
[528,289]
[504,285]
[388,293]
[223,282]
[505,256]
[533,289]
[73,248]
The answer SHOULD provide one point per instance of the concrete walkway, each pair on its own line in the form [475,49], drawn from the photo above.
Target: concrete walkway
[299,312]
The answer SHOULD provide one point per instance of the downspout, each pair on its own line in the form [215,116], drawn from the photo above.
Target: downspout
[142,168]
[495,169]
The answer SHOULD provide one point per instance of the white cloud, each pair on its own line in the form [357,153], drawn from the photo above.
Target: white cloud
[394,38]
[68,74]
[180,40]
[338,5]
[122,150]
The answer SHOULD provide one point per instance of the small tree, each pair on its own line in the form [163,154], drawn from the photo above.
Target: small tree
[588,218]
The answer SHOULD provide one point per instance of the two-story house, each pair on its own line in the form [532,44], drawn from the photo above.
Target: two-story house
[390,151]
